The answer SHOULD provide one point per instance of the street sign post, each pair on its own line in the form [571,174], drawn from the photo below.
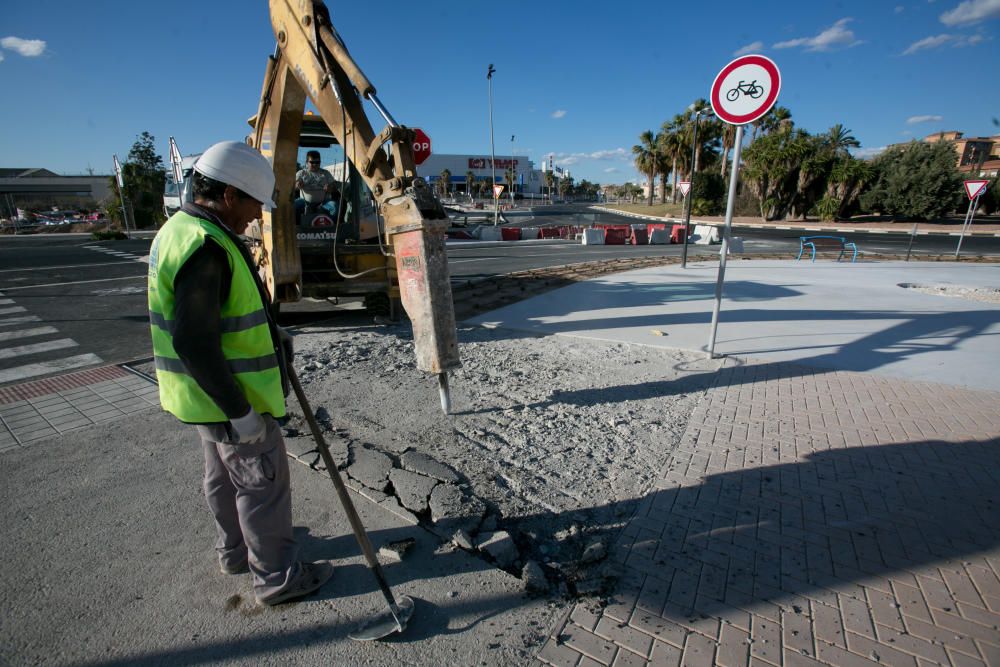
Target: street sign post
[421,146]
[974,189]
[684,187]
[126,204]
[743,91]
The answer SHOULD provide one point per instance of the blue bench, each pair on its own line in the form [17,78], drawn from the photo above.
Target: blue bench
[838,243]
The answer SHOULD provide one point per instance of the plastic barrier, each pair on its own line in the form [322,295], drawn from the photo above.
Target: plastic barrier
[489,233]
[659,237]
[615,236]
[551,232]
[735,245]
[593,236]
[638,237]
[529,233]
[677,233]
[510,233]
[706,234]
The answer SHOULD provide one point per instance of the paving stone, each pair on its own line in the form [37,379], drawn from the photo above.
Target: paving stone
[624,636]
[370,467]
[412,489]
[589,644]
[425,465]
[500,547]
[452,510]
[559,655]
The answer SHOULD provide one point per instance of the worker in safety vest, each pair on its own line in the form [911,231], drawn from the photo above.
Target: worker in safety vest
[220,361]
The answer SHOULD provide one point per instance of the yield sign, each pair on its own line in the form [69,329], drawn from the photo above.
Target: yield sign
[684,187]
[975,188]
[497,190]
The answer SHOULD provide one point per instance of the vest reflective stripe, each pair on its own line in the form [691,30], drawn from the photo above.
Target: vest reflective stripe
[229,324]
[247,341]
[264,363]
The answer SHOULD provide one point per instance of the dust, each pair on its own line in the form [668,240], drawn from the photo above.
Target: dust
[558,437]
[982,294]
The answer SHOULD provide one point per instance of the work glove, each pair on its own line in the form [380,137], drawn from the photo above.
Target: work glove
[250,429]
[287,345]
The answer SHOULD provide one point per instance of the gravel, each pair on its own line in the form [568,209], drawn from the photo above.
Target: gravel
[552,439]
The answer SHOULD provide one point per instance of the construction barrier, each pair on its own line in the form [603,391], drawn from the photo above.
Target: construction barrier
[489,234]
[735,245]
[552,232]
[677,234]
[638,236]
[615,235]
[706,234]
[593,236]
[529,233]
[510,233]
[659,237]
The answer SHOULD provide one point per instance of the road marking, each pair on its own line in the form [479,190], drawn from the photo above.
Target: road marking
[45,367]
[35,348]
[18,320]
[78,282]
[11,311]
[26,333]
[64,266]
[877,231]
[6,302]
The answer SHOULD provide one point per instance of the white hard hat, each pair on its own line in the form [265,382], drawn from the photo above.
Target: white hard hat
[241,166]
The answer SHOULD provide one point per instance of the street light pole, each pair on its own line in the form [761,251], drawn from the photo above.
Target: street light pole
[690,194]
[513,171]
[493,157]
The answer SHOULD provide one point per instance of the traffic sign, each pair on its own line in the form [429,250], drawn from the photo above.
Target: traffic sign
[684,187]
[745,89]
[421,146]
[497,190]
[975,188]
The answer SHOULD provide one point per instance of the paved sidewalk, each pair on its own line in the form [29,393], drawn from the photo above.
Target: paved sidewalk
[811,517]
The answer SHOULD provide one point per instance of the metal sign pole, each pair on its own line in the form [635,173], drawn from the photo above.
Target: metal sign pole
[730,205]
[913,234]
[970,214]
[690,195]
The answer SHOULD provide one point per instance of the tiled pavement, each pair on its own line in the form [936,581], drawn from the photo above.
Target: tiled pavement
[810,517]
[34,410]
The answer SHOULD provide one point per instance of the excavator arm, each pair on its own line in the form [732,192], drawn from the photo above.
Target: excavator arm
[311,61]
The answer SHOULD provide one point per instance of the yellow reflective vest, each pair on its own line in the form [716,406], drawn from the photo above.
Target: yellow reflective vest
[247,343]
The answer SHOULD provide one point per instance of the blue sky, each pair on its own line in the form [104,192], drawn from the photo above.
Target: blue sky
[82,79]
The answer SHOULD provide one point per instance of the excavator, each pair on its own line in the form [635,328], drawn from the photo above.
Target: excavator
[386,239]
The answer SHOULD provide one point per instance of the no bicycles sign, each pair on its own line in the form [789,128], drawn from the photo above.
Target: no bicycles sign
[745,89]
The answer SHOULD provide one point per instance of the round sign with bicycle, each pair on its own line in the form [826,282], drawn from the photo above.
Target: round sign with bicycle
[745,89]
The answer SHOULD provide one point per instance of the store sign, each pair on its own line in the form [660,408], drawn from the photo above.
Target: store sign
[484,163]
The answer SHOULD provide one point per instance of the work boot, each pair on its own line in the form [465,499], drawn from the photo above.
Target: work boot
[310,578]
[239,568]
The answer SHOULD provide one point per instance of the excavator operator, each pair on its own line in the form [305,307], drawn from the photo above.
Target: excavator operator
[317,188]
[220,361]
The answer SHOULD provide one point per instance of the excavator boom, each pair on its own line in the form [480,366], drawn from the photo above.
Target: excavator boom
[311,61]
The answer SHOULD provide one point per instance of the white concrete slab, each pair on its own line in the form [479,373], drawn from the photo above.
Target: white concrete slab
[826,314]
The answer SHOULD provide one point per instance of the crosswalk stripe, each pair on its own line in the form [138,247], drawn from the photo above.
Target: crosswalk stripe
[11,311]
[26,333]
[6,302]
[8,321]
[54,366]
[35,348]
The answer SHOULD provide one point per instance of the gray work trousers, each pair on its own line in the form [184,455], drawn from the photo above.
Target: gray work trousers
[248,490]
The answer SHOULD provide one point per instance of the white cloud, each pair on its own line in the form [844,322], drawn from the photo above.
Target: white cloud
[972,11]
[899,9]
[837,35]
[753,47]
[567,159]
[913,120]
[866,153]
[28,48]
[1,57]
[558,113]
[611,170]
[936,41]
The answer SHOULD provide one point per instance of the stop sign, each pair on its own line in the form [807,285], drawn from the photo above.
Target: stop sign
[421,146]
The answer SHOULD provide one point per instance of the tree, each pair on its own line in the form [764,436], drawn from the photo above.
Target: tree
[646,159]
[771,170]
[444,183]
[915,181]
[550,180]
[145,178]
[470,179]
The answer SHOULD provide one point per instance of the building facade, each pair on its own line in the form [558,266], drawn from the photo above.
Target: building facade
[35,188]
[974,154]
[527,179]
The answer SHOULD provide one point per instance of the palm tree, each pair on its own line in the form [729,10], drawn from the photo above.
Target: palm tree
[839,138]
[470,178]
[671,146]
[550,181]
[728,143]
[645,159]
[445,182]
